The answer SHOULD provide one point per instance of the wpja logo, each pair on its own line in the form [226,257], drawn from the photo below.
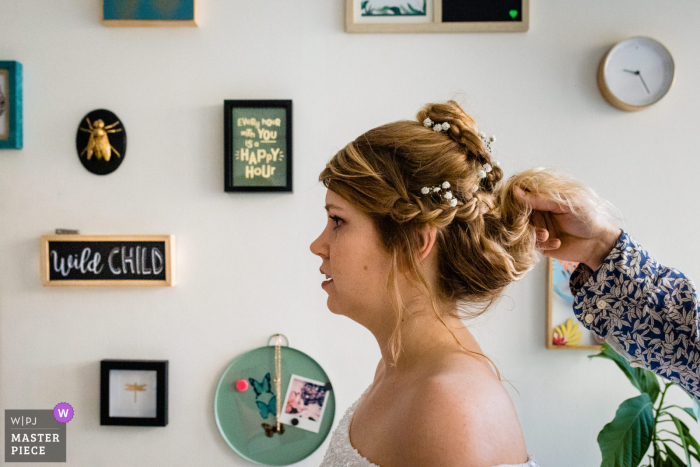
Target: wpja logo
[37,435]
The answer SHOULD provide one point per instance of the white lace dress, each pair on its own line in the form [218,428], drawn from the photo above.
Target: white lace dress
[341,453]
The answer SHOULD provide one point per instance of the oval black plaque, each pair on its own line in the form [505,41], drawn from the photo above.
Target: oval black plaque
[101,142]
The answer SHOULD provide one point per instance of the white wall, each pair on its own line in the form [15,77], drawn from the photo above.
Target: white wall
[245,271]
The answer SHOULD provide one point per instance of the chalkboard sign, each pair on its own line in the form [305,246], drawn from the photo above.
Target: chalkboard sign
[107,260]
[392,16]
[258,145]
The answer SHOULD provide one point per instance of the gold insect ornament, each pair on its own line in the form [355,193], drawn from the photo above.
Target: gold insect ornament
[98,143]
[135,387]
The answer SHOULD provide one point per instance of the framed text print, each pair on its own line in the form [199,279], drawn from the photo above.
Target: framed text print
[392,16]
[10,105]
[563,330]
[258,145]
[134,392]
[149,13]
[107,260]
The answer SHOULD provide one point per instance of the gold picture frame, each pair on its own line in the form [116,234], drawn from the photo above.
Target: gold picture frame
[147,22]
[556,306]
[98,259]
[431,21]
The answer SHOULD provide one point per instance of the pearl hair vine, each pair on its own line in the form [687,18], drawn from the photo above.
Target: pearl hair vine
[447,195]
[486,168]
[483,172]
[436,126]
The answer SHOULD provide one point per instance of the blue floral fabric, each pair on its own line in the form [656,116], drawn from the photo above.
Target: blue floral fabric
[647,312]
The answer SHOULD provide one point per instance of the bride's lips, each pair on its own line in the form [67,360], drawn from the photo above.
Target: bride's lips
[325,283]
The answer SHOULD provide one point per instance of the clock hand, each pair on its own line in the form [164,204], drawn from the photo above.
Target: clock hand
[645,84]
[633,72]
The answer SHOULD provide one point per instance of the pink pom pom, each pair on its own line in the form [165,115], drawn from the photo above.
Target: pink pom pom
[242,385]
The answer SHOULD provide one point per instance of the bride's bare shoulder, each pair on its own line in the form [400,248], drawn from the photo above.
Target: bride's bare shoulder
[456,415]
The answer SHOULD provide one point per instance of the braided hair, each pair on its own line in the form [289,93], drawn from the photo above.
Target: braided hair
[484,242]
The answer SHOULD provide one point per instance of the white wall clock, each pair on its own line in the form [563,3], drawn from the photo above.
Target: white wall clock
[636,73]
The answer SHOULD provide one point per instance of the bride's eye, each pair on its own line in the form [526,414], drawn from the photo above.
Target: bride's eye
[337,221]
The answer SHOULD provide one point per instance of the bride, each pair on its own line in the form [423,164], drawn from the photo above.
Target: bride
[421,234]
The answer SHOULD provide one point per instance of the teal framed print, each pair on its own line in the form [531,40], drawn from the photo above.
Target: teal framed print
[10,105]
[128,13]
[258,145]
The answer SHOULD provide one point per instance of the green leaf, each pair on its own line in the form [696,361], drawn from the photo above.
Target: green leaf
[395,9]
[363,5]
[681,434]
[690,412]
[642,379]
[696,410]
[624,441]
[672,459]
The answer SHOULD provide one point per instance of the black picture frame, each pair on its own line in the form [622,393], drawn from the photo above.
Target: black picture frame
[279,183]
[161,369]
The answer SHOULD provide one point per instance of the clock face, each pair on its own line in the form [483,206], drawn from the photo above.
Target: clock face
[639,71]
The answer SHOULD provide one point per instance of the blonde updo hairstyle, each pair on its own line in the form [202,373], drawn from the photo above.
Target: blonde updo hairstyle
[483,243]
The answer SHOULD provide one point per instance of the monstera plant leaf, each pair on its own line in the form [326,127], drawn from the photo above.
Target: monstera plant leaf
[624,441]
[642,379]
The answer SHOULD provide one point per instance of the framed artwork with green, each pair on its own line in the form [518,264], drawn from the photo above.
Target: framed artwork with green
[129,13]
[413,16]
[258,145]
[10,105]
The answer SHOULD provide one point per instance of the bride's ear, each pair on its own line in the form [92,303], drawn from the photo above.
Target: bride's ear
[428,235]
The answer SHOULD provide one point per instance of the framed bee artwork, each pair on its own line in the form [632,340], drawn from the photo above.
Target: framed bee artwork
[414,16]
[563,331]
[134,392]
[101,142]
[10,105]
[168,13]
[258,145]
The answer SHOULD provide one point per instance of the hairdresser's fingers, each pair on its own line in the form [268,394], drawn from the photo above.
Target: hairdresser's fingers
[551,244]
[537,219]
[542,235]
[540,202]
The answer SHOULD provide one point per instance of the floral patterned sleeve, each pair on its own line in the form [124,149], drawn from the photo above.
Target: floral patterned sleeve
[647,312]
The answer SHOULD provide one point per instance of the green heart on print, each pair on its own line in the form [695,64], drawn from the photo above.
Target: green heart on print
[513,13]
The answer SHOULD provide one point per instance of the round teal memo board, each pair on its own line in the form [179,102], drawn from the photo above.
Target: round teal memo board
[240,419]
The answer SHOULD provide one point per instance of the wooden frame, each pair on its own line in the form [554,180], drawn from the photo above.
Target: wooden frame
[161,369]
[11,121]
[434,23]
[230,140]
[169,261]
[150,22]
[549,325]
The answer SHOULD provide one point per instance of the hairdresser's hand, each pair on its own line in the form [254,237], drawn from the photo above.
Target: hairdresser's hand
[586,237]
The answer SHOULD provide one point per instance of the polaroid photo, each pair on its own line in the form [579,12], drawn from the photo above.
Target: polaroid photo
[304,403]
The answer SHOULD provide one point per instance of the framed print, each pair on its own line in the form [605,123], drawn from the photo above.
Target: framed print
[107,260]
[563,331]
[134,392]
[10,105]
[129,13]
[397,16]
[258,145]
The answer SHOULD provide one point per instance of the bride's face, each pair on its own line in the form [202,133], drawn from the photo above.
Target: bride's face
[355,260]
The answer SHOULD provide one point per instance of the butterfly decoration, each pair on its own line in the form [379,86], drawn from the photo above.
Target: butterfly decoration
[267,409]
[270,430]
[261,387]
[135,387]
